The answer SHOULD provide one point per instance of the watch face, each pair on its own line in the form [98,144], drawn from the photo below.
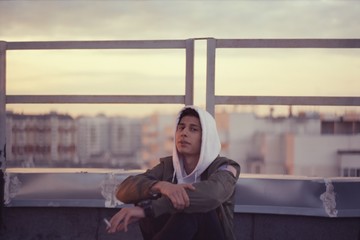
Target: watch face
[155,195]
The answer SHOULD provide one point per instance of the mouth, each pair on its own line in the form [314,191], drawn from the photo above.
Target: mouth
[183,142]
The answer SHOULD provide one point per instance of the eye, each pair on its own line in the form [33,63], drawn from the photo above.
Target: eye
[194,129]
[180,127]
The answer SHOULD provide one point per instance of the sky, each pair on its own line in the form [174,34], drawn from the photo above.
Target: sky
[296,72]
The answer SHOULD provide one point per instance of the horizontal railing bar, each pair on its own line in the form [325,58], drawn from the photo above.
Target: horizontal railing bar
[29,99]
[123,44]
[288,43]
[248,100]
[288,100]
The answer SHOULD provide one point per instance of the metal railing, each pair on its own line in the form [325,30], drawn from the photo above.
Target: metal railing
[213,44]
[187,98]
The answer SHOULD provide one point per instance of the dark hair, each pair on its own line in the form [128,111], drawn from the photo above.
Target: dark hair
[188,112]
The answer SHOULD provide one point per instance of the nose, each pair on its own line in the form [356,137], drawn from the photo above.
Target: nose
[184,132]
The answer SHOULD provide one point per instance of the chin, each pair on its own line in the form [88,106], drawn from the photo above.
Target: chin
[183,152]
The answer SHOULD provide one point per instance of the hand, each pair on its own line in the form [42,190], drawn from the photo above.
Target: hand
[175,192]
[126,216]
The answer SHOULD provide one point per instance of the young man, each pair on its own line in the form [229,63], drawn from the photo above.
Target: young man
[189,195]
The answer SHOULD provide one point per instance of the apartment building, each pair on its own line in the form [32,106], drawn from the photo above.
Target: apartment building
[93,135]
[297,145]
[109,141]
[125,142]
[59,140]
[157,138]
[41,140]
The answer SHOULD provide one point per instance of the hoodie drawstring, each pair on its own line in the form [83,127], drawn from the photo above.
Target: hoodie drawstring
[173,178]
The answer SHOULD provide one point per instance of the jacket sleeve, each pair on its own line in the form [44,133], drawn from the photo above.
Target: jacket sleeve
[137,188]
[208,194]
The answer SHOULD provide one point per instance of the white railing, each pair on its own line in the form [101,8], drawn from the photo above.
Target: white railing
[187,98]
[213,44]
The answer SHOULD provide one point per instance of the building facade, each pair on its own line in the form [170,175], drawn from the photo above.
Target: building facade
[40,140]
[308,144]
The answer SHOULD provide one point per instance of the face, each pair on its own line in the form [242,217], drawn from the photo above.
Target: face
[188,136]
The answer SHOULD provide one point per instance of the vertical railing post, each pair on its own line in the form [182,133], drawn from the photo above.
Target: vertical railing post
[189,75]
[2,103]
[2,125]
[210,76]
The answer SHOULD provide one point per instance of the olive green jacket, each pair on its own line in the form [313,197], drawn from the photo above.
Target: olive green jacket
[216,190]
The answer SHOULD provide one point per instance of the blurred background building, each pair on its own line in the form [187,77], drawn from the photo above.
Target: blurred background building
[309,144]
[41,140]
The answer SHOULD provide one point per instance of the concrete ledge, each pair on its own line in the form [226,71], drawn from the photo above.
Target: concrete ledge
[64,223]
[262,194]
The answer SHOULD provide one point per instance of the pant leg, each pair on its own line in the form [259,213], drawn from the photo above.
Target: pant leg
[209,227]
[151,226]
[183,226]
[180,226]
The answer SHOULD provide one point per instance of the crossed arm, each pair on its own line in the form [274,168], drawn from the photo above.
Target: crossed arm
[174,197]
[176,193]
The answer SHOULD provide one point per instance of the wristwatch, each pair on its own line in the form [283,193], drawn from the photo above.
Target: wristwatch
[147,206]
[154,195]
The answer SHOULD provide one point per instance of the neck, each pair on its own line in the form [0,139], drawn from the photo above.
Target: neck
[190,163]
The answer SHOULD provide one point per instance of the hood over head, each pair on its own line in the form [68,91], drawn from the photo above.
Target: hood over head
[210,147]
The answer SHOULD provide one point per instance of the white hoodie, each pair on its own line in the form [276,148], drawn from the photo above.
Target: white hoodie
[210,148]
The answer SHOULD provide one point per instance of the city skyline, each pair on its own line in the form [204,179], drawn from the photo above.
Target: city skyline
[307,145]
[311,72]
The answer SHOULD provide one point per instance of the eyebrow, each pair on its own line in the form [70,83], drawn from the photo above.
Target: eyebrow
[191,125]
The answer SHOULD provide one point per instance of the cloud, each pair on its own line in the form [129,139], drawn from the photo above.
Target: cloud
[49,20]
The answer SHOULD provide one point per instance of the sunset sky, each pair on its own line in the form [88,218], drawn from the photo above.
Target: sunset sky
[317,72]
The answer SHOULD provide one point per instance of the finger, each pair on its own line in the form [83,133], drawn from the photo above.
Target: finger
[185,198]
[126,222]
[116,220]
[189,186]
[120,227]
[180,201]
[175,200]
[114,228]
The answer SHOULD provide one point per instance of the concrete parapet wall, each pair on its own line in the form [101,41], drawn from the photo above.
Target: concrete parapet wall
[287,195]
[65,223]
